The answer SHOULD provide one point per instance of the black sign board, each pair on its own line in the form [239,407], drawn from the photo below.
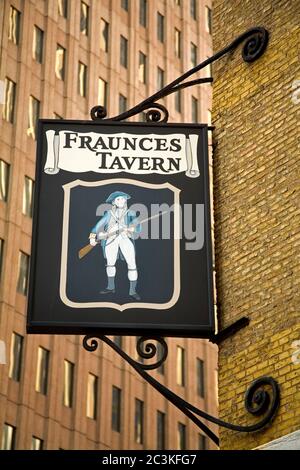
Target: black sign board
[121,230]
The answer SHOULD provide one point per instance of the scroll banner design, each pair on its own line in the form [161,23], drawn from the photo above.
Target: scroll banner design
[112,153]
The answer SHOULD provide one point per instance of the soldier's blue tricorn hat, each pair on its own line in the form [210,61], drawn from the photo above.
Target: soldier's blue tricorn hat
[116,194]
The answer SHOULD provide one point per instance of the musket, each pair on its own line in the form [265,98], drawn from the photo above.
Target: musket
[87,248]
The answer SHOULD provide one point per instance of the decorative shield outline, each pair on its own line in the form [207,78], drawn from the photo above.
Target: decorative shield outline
[65,237]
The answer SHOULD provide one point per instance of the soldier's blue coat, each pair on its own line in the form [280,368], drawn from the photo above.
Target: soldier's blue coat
[102,225]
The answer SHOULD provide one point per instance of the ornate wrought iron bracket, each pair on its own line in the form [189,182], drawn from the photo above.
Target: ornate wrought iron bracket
[258,399]
[255,42]
[263,395]
[230,330]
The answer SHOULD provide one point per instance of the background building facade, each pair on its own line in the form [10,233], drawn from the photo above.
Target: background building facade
[58,59]
[256,191]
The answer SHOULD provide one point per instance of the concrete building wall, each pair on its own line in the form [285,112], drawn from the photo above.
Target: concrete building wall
[30,412]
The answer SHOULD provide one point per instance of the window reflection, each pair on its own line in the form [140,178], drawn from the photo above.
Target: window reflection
[60,62]
[14,25]
[33,115]
[9,100]
[84,18]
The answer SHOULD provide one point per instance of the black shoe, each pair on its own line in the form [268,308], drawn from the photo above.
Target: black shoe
[135,296]
[107,291]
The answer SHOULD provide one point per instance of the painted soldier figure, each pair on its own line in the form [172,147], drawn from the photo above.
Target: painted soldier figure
[115,232]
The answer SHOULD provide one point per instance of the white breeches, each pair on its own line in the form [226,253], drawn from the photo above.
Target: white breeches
[127,249]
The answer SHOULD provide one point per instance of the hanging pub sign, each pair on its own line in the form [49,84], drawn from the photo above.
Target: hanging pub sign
[121,230]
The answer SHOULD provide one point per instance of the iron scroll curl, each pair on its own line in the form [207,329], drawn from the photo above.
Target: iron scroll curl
[145,346]
[261,398]
[255,43]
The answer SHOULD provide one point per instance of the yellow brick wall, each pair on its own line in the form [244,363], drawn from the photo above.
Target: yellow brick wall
[256,112]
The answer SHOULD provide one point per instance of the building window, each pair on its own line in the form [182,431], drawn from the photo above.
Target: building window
[62,6]
[118,341]
[92,396]
[16,351]
[142,67]
[116,409]
[82,79]
[122,104]
[22,285]
[84,19]
[37,443]
[201,442]
[60,58]
[28,196]
[160,27]
[160,430]
[8,437]
[160,78]
[143,13]
[208,18]
[139,421]
[9,100]
[104,35]
[102,92]
[200,378]
[68,383]
[177,98]
[4,180]
[33,116]
[37,44]
[125,5]
[180,366]
[14,25]
[194,54]
[41,381]
[177,43]
[181,436]
[194,109]
[123,51]
[193,9]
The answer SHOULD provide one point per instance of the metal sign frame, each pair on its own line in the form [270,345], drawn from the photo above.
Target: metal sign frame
[61,319]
